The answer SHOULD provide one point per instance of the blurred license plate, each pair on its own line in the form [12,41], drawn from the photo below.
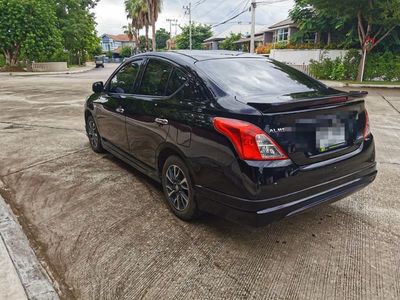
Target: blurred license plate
[329,138]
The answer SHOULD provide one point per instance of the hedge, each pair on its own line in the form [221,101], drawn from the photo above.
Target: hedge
[379,67]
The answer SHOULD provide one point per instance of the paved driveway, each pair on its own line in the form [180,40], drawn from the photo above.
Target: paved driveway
[104,232]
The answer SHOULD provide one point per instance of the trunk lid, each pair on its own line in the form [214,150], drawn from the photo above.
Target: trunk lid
[314,128]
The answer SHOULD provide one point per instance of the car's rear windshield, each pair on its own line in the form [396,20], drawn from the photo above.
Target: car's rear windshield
[257,76]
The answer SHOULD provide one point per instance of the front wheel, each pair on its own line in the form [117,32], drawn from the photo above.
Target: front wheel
[178,189]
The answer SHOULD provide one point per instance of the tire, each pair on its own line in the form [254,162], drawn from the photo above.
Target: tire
[178,189]
[93,135]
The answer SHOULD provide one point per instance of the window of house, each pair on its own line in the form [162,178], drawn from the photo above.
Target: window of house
[124,81]
[281,35]
[155,78]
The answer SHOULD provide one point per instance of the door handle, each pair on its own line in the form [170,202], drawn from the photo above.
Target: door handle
[120,110]
[161,121]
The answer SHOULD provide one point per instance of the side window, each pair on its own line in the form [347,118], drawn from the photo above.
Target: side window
[124,81]
[185,90]
[155,78]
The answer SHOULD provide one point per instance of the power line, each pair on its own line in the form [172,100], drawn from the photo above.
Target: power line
[199,2]
[212,9]
[232,18]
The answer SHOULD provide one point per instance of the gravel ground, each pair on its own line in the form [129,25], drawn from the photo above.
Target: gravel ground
[104,232]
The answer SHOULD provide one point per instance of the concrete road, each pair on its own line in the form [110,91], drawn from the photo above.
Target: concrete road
[104,232]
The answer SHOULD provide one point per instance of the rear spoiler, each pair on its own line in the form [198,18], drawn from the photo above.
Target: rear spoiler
[302,104]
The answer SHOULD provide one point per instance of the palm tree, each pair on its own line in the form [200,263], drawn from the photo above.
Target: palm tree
[128,30]
[133,10]
[154,7]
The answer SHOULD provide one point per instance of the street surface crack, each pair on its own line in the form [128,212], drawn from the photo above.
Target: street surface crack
[39,126]
[389,163]
[390,103]
[42,162]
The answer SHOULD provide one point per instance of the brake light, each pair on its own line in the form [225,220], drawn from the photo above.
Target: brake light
[367,128]
[250,142]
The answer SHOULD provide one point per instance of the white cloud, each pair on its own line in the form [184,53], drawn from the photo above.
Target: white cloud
[111,15]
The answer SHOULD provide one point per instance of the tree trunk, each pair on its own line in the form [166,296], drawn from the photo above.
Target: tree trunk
[153,28]
[329,38]
[147,37]
[360,74]
[11,56]
[137,33]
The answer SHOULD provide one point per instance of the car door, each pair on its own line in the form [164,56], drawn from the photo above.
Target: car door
[110,107]
[146,129]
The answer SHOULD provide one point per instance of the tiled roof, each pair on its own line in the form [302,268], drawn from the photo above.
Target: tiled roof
[119,37]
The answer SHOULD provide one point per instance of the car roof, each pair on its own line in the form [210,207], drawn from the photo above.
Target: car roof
[192,56]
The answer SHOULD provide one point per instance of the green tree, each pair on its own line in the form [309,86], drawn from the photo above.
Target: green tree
[138,13]
[229,42]
[199,34]
[142,44]
[375,20]
[126,51]
[28,27]
[154,8]
[162,36]
[78,27]
[311,20]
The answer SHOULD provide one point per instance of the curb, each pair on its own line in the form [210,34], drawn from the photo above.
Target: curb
[21,74]
[339,84]
[31,274]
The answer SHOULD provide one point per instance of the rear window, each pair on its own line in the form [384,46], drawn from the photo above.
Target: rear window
[257,76]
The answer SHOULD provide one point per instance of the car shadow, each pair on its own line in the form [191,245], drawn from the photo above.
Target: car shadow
[321,220]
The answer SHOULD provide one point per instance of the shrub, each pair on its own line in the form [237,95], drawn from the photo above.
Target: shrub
[323,69]
[351,62]
[2,60]
[292,45]
[384,66]
[264,49]
[379,66]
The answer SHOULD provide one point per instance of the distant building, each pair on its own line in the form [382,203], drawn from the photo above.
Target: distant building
[279,32]
[213,42]
[114,43]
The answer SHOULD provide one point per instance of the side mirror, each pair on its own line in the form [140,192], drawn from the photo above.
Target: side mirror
[98,87]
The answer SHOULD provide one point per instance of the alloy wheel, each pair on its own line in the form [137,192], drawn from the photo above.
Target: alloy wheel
[93,134]
[177,188]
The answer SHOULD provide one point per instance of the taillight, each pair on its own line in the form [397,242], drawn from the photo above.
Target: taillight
[367,128]
[250,142]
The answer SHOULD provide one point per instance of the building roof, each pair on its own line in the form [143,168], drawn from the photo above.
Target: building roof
[282,24]
[258,38]
[192,56]
[119,37]
[285,23]
[244,29]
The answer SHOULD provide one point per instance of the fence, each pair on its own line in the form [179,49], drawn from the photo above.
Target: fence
[49,67]
[303,68]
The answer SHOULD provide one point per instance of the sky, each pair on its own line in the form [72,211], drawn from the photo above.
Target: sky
[111,15]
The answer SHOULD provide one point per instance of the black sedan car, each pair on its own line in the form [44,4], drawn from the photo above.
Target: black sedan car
[237,135]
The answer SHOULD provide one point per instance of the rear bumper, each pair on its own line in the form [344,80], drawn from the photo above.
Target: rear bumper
[264,211]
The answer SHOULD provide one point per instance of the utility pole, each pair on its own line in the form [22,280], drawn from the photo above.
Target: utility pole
[253,24]
[170,25]
[188,11]
[176,27]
